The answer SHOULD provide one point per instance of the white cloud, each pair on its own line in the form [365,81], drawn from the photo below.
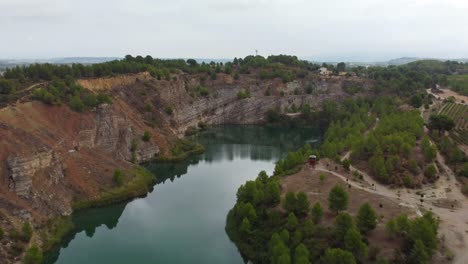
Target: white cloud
[365,29]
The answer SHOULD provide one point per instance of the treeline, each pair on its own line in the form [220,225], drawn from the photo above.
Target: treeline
[409,78]
[389,148]
[157,67]
[68,92]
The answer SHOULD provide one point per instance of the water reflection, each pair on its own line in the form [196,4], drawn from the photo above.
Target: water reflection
[182,222]
[88,221]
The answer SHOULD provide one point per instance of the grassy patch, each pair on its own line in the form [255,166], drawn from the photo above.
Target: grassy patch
[181,151]
[139,185]
[55,230]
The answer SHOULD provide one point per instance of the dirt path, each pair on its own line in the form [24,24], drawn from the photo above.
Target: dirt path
[443,198]
[438,198]
[446,93]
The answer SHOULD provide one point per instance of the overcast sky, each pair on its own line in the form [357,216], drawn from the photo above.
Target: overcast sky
[325,29]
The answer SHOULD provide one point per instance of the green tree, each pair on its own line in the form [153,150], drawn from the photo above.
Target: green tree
[146,136]
[90,100]
[378,168]
[418,254]
[76,104]
[416,101]
[118,177]
[441,123]
[26,232]
[429,150]
[338,256]
[303,204]
[245,227]
[346,164]
[290,202]
[301,255]
[273,192]
[317,212]
[292,222]
[353,243]
[307,228]
[431,172]
[33,255]
[343,223]
[338,199]
[278,251]
[366,218]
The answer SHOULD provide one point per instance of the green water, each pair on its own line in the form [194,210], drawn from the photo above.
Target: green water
[182,220]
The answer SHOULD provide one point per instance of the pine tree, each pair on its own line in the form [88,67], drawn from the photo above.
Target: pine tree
[301,255]
[317,213]
[343,223]
[292,222]
[338,199]
[353,243]
[418,254]
[366,218]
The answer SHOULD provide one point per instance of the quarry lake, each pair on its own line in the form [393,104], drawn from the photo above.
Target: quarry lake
[182,220]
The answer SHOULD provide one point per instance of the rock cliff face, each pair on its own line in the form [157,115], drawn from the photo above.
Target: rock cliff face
[23,168]
[224,106]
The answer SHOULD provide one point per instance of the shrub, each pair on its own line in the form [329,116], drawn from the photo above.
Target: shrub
[148,107]
[1,233]
[26,232]
[430,172]
[243,94]
[146,136]
[169,110]
[90,100]
[76,104]
[118,177]
[33,255]
[203,91]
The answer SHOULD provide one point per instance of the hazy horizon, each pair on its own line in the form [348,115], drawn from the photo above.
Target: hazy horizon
[359,30]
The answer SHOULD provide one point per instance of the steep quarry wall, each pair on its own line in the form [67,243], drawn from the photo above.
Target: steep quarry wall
[21,170]
[223,105]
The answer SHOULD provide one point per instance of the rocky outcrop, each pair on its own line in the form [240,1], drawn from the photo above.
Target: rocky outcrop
[23,168]
[223,106]
[113,133]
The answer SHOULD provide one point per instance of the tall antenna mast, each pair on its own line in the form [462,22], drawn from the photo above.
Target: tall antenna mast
[256,52]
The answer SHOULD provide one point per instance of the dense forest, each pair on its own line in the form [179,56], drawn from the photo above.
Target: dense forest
[296,233]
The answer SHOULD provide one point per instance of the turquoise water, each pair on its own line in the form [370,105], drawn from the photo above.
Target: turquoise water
[182,220]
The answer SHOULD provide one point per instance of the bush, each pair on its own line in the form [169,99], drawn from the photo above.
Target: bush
[26,232]
[118,177]
[76,104]
[33,255]
[146,136]
[430,172]
[1,233]
[148,107]
[90,100]
[169,110]
[203,91]
[243,94]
